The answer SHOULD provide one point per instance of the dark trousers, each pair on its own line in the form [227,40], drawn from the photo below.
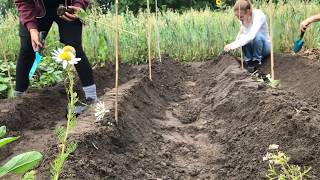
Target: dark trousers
[70,34]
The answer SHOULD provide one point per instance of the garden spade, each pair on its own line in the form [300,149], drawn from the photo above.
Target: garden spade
[298,43]
[38,56]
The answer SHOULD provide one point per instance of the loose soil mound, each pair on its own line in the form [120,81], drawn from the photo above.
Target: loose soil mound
[207,120]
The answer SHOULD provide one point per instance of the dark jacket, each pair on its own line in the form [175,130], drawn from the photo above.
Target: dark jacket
[29,10]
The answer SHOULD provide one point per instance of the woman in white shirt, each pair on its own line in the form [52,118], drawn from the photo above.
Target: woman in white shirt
[253,36]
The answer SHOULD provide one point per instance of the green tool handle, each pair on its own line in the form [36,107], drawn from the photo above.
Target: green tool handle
[43,35]
[301,34]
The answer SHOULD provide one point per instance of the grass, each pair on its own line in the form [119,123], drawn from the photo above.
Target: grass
[191,36]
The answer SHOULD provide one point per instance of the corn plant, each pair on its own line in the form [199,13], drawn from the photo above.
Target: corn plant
[21,163]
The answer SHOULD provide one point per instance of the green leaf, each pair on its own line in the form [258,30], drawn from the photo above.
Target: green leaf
[276,84]
[7,140]
[10,93]
[31,175]
[71,147]
[21,163]
[3,87]
[3,131]
[82,15]
[60,131]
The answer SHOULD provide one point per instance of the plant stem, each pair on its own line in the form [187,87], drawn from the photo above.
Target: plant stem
[117,61]
[70,116]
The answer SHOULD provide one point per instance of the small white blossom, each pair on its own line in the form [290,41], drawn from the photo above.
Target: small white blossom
[273,147]
[267,157]
[101,110]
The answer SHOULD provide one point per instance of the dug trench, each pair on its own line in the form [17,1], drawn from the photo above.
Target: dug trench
[208,120]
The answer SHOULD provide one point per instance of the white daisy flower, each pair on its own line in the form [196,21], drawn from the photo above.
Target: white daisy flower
[69,49]
[101,110]
[65,57]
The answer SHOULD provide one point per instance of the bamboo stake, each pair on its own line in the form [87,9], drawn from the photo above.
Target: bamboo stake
[241,54]
[157,31]
[117,60]
[149,39]
[271,41]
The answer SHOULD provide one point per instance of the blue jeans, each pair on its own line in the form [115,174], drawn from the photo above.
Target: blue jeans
[257,49]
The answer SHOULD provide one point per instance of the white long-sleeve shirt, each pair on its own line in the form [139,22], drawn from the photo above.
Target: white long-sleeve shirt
[247,34]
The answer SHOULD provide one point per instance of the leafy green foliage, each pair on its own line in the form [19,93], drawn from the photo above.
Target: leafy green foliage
[21,163]
[5,5]
[268,81]
[5,88]
[7,140]
[60,132]
[49,74]
[31,175]
[280,168]
[3,131]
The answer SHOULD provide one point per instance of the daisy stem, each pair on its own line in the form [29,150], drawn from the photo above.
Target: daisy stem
[70,118]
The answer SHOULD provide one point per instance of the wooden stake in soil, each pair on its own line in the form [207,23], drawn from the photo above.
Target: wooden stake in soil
[157,31]
[117,60]
[271,41]
[148,38]
[241,54]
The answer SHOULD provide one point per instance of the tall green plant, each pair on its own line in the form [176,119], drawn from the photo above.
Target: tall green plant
[66,56]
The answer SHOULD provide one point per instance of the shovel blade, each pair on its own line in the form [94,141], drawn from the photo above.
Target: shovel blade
[298,45]
[35,64]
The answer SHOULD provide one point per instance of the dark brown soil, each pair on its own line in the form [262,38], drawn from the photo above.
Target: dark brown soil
[208,120]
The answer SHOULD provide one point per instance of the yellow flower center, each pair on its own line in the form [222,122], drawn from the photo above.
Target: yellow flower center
[66,56]
[69,49]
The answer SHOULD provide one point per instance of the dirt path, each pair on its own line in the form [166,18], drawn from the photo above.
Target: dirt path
[208,120]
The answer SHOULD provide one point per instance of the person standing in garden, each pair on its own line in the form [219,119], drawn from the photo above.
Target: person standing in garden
[38,15]
[307,22]
[253,36]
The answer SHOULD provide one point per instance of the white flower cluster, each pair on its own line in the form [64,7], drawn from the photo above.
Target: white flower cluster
[101,110]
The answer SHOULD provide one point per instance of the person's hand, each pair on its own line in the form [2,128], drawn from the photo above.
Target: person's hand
[35,39]
[68,16]
[304,25]
[227,48]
